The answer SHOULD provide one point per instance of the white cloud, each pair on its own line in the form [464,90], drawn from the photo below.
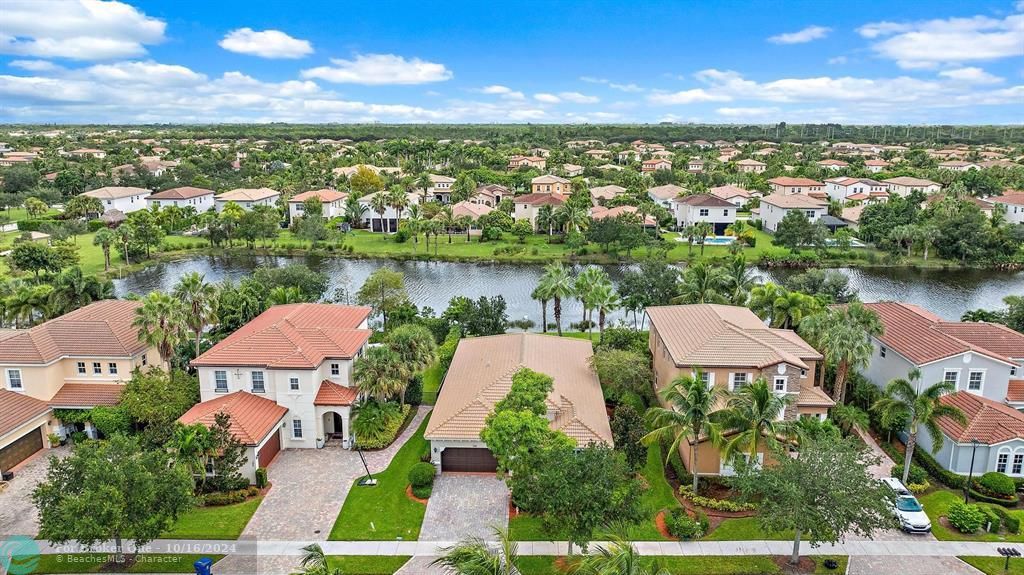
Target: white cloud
[972,75]
[503,91]
[808,34]
[955,40]
[547,98]
[34,65]
[613,85]
[837,60]
[578,98]
[687,97]
[593,80]
[146,72]
[753,112]
[79,30]
[380,69]
[265,44]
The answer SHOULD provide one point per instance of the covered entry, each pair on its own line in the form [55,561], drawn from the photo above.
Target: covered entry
[475,459]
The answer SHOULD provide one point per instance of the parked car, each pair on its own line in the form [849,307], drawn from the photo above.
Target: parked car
[907,509]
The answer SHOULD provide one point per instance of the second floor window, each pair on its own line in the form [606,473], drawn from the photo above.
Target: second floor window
[738,381]
[14,379]
[975,380]
[258,385]
[112,368]
[704,212]
[97,368]
[293,383]
[220,381]
[780,383]
[335,369]
[81,368]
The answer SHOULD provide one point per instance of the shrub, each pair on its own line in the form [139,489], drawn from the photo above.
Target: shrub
[676,463]
[376,425]
[633,399]
[965,518]
[991,523]
[94,225]
[79,437]
[917,473]
[414,391]
[261,477]
[681,525]
[422,475]
[986,497]
[1010,522]
[232,497]
[712,503]
[423,492]
[998,484]
[401,236]
[918,488]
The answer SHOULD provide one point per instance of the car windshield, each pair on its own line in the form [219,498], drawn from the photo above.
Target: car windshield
[907,504]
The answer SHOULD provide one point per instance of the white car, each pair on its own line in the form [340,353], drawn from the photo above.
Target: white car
[911,515]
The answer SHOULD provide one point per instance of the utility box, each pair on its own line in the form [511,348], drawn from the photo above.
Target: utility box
[203,566]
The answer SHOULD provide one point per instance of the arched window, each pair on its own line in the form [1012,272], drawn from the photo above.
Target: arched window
[1002,459]
[1017,465]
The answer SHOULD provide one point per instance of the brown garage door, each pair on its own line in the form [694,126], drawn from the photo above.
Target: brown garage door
[21,449]
[468,459]
[270,449]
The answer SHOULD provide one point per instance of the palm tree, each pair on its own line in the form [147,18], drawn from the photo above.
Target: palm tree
[752,414]
[702,230]
[379,203]
[398,201]
[703,283]
[473,556]
[693,405]
[541,294]
[380,374]
[314,562]
[927,234]
[354,210]
[546,218]
[464,222]
[200,299]
[283,295]
[781,307]
[447,219]
[584,285]
[742,231]
[905,401]
[689,232]
[190,444]
[847,417]
[740,281]
[415,347]
[71,290]
[124,237]
[160,321]
[843,335]
[620,557]
[558,284]
[604,299]
[105,238]
[423,183]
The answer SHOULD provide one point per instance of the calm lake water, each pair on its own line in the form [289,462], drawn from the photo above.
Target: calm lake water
[947,293]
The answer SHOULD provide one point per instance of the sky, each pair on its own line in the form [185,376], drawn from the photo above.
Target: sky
[560,61]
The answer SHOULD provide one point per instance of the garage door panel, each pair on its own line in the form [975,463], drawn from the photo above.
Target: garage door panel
[21,449]
[270,449]
[470,459]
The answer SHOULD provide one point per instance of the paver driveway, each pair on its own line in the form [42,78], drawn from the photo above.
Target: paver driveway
[908,565]
[17,513]
[465,505]
[310,486]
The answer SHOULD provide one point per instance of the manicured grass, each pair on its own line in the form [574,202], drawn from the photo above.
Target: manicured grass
[936,504]
[366,564]
[702,565]
[744,529]
[214,522]
[994,565]
[91,563]
[432,378]
[17,214]
[657,497]
[383,512]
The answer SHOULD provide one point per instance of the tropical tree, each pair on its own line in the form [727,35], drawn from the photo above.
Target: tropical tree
[474,556]
[703,283]
[200,300]
[619,557]
[161,323]
[314,562]
[904,400]
[72,290]
[380,374]
[702,230]
[230,216]
[782,308]
[604,299]
[83,206]
[540,293]
[379,204]
[557,283]
[447,219]
[692,407]
[742,231]
[415,346]
[584,285]
[105,238]
[753,416]
[283,295]
[546,219]
[927,235]
[464,222]
[843,335]
[354,210]
[398,201]
[124,237]
[190,445]
[35,207]
[740,281]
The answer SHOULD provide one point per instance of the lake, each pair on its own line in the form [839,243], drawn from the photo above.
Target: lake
[948,293]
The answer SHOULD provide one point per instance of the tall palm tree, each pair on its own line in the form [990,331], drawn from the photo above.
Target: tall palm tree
[464,222]
[190,445]
[703,283]
[781,307]
[447,219]
[398,201]
[124,237]
[282,295]
[604,299]
[546,219]
[620,557]
[161,323]
[379,203]
[558,283]
[702,230]
[740,280]
[380,374]
[540,293]
[473,556]
[927,234]
[71,290]
[584,286]
[753,415]
[200,299]
[689,232]
[904,400]
[693,404]
[843,335]
[742,231]
[354,210]
[105,239]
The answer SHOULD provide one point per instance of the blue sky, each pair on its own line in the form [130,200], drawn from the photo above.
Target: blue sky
[561,61]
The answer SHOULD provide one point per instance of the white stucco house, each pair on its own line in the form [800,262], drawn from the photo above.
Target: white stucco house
[1012,203]
[841,189]
[689,210]
[441,188]
[288,374]
[775,207]
[247,198]
[665,195]
[332,203]
[123,199]
[198,198]
[902,186]
[389,220]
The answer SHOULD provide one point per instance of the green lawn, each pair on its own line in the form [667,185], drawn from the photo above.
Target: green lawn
[703,565]
[659,496]
[994,565]
[936,504]
[91,563]
[744,529]
[432,378]
[214,522]
[17,214]
[366,564]
[383,512]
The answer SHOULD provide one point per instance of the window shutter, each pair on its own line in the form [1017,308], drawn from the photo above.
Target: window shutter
[732,381]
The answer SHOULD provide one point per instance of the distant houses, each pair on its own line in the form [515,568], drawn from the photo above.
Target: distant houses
[123,199]
[247,198]
[199,199]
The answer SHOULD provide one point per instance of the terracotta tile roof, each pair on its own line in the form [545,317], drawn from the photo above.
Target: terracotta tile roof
[17,409]
[711,335]
[831,162]
[102,328]
[252,417]
[909,181]
[84,395]
[115,192]
[749,162]
[792,201]
[881,163]
[923,337]
[1009,197]
[729,191]
[247,195]
[541,199]
[813,396]
[852,214]
[705,200]
[481,375]
[600,213]
[666,192]
[549,179]
[331,393]
[607,192]
[787,181]
[292,336]
[326,196]
[994,337]
[183,193]
[987,421]
[467,208]
[1015,391]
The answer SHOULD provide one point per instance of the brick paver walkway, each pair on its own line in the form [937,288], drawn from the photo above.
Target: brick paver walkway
[17,513]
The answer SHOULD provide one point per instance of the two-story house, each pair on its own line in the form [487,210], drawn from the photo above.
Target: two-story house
[332,203]
[732,347]
[735,195]
[247,198]
[199,199]
[787,185]
[1012,203]
[751,166]
[983,361]
[855,189]
[441,188]
[550,185]
[77,361]
[665,195]
[490,195]
[527,206]
[903,186]
[124,199]
[655,165]
[775,207]
[516,162]
[689,210]
[388,220]
[286,376]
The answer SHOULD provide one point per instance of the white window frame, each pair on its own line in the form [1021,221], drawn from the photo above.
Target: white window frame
[297,429]
[981,384]
[734,376]
[956,372]
[112,367]
[335,369]
[707,376]
[775,383]
[252,381]
[97,368]
[881,351]
[217,379]
[293,383]
[1017,463]
[81,368]
[703,212]
[1003,459]
[145,359]
[17,376]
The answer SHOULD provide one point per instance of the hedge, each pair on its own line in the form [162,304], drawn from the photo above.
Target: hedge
[712,503]
[229,497]
[925,460]
[32,225]
[1011,523]
[985,498]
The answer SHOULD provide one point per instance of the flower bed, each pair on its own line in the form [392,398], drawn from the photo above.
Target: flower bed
[714,504]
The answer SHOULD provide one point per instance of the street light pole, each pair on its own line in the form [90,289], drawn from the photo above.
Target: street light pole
[970,472]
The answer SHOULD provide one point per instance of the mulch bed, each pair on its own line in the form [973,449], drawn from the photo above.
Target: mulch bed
[806,565]
[409,494]
[659,522]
